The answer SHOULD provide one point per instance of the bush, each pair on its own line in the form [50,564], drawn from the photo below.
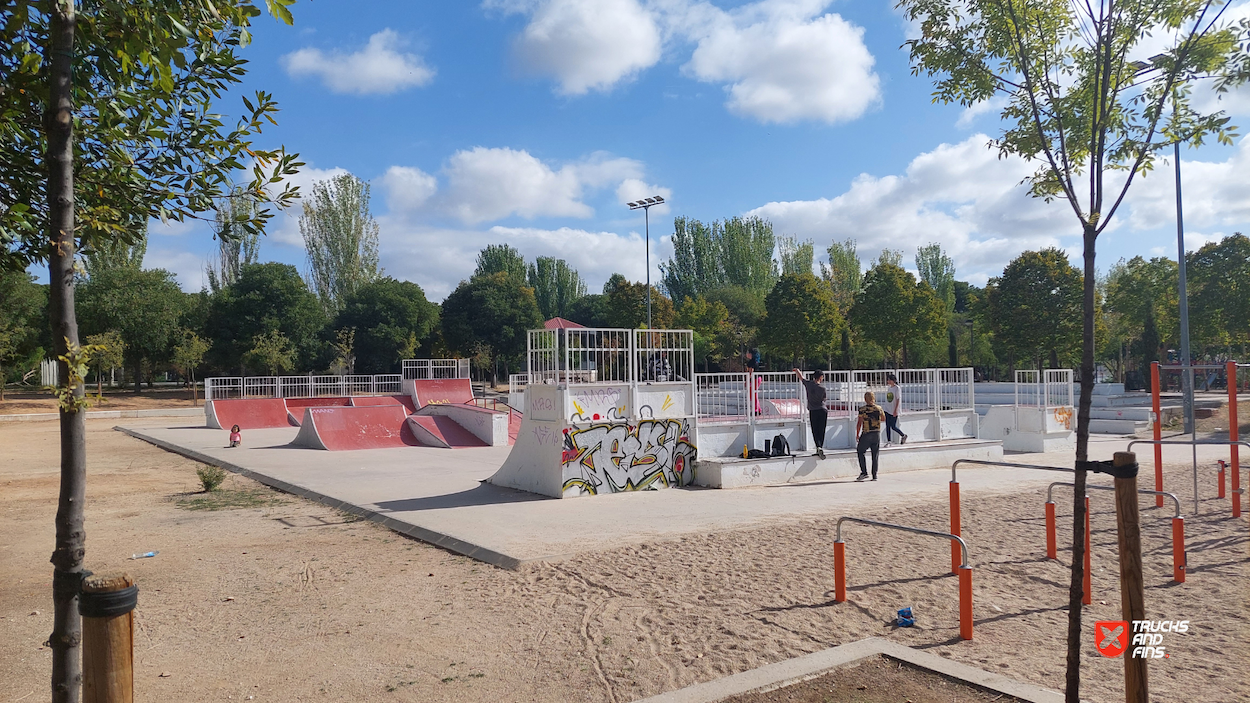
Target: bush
[211,477]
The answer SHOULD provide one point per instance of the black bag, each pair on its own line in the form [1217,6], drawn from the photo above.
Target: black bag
[780,446]
[756,454]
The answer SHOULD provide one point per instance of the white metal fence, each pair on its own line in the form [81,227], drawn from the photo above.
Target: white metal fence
[609,355]
[222,388]
[1049,388]
[423,369]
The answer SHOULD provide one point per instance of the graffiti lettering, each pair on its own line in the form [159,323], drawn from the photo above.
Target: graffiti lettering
[545,435]
[1064,417]
[541,404]
[616,457]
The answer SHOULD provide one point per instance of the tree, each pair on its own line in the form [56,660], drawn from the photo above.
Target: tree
[389,319]
[344,349]
[271,353]
[802,319]
[1078,107]
[110,354]
[938,270]
[188,354]
[893,257]
[107,254]
[1137,290]
[733,252]
[796,257]
[23,315]
[557,286]
[496,309]
[267,297]
[1219,274]
[144,307]
[236,247]
[894,309]
[590,310]
[695,267]
[341,238]
[494,258]
[842,273]
[626,306]
[710,323]
[746,251]
[1035,306]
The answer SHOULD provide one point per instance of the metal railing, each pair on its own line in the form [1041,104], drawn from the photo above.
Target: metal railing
[1179,555]
[1176,502]
[609,355]
[425,369]
[225,388]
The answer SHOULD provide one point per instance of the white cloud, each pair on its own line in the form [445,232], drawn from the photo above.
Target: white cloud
[187,266]
[1216,193]
[784,61]
[632,189]
[377,69]
[970,114]
[586,45]
[407,188]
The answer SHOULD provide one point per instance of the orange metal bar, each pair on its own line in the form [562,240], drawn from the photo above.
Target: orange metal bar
[956,560]
[839,572]
[1089,590]
[1234,450]
[965,602]
[1178,549]
[1051,550]
[1158,429]
[1223,466]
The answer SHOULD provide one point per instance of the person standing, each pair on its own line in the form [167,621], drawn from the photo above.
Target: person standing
[816,411]
[868,434]
[892,408]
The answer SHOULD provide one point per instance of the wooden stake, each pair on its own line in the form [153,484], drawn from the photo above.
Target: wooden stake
[108,641]
[1132,588]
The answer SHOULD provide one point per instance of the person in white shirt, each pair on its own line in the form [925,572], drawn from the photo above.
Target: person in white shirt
[892,405]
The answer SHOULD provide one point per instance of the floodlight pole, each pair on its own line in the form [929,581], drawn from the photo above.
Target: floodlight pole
[1187,374]
[645,205]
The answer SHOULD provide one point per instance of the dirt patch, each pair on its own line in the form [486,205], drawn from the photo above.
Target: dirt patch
[296,601]
[23,402]
[876,680]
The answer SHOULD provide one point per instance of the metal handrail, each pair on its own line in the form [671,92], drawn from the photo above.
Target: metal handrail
[945,535]
[1050,498]
[982,462]
[1192,442]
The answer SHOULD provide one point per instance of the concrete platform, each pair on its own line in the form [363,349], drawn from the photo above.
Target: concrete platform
[438,496]
[735,472]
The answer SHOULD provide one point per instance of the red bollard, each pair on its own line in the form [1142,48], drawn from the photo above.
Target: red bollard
[965,602]
[839,572]
[1051,549]
[1089,590]
[1178,549]
[955,557]
[1158,430]
[1223,465]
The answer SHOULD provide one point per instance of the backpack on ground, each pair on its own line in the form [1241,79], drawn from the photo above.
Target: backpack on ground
[780,446]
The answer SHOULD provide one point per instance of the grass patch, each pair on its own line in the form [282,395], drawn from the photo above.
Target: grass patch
[230,499]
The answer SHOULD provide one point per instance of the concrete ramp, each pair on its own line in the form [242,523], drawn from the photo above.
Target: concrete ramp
[373,400]
[343,428]
[442,431]
[488,426]
[247,413]
[441,391]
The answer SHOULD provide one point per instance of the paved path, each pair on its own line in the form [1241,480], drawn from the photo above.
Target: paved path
[437,495]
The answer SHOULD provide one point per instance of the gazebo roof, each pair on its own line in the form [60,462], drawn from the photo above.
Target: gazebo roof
[559,323]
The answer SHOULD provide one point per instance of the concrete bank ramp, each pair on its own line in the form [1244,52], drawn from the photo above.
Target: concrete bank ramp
[247,413]
[343,428]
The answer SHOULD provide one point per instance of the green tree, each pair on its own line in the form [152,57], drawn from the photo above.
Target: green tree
[938,270]
[746,251]
[626,306]
[1219,274]
[495,309]
[144,306]
[590,310]
[266,297]
[236,246]
[1138,289]
[557,286]
[709,320]
[1079,108]
[734,252]
[390,318]
[802,320]
[894,309]
[494,258]
[110,354]
[695,267]
[893,257]
[1035,307]
[341,239]
[106,254]
[109,120]
[23,323]
[270,353]
[188,354]
[842,273]
[796,257]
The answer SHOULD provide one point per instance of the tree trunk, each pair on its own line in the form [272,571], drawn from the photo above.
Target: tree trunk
[67,556]
[1054,359]
[138,376]
[1072,689]
[194,400]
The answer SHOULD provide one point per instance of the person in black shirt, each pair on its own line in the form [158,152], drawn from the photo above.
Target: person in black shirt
[816,408]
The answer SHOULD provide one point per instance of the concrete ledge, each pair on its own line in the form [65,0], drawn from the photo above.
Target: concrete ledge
[773,676]
[109,414]
[425,535]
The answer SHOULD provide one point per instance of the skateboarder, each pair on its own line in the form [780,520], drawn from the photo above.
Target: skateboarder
[868,434]
[892,407]
[816,407]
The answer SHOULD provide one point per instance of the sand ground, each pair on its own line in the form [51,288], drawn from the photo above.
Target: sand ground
[293,601]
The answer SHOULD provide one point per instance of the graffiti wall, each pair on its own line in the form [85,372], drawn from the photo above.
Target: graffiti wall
[612,457]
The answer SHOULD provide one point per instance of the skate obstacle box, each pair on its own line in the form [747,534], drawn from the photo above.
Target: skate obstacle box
[247,413]
[339,428]
[1041,416]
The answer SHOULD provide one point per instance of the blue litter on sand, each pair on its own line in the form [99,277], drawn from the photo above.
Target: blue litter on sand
[145,555]
[905,618]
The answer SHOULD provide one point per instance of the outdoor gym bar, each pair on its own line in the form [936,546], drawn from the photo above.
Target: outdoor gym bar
[1232,444]
[1178,525]
[965,570]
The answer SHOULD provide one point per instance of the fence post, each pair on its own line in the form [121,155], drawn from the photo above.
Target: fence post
[965,601]
[1132,589]
[839,571]
[1087,585]
[107,606]
[1051,550]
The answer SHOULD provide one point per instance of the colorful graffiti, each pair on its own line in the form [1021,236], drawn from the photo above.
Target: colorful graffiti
[616,457]
[1063,416]
[596,404]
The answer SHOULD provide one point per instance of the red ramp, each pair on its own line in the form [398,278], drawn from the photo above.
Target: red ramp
[342,428]
[442,431]
[247,413]
[300,403]
[372,400]
[442,391]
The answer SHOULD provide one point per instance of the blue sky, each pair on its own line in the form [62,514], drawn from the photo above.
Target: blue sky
[532,122]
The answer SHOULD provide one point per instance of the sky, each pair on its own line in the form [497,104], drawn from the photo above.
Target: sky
[534,122]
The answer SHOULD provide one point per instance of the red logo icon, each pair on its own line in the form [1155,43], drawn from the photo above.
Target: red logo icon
[1111,637]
